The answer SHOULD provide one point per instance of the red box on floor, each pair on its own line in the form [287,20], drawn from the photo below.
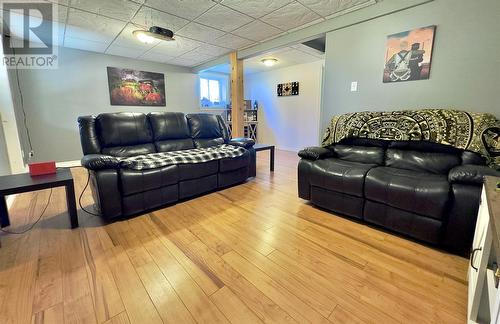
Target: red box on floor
[41,168]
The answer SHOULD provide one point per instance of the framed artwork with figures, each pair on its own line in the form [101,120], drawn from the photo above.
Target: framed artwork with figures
[409,54]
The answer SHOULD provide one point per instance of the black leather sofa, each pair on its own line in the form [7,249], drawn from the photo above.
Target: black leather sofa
[427,191]
[122,192]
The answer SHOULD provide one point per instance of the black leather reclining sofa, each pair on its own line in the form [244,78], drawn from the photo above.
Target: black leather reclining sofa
[122,192]
[427,191]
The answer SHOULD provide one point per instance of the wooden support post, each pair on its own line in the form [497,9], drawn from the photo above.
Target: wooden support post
[236,95]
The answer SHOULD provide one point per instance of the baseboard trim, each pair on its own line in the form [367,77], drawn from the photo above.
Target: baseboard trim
[289,149]
[69,164]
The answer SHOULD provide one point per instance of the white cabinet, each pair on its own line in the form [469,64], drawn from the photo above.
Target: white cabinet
[484,297]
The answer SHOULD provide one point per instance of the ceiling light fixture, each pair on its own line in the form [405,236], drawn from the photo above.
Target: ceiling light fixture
[269,61]
[155,32]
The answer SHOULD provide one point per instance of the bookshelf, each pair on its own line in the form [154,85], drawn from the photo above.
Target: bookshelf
[250,117]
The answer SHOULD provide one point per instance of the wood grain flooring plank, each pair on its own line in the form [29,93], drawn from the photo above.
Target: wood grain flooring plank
[138,305]
[234,309]
[251,253]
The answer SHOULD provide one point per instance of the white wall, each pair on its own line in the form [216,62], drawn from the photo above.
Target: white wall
[465,72]
[54,99]
[4,158]
[291,123]
[11,160]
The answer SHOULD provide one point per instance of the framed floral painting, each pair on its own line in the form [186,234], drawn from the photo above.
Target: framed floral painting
[136,88]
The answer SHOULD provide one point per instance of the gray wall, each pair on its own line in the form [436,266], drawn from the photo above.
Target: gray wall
[465,71]
[54,99]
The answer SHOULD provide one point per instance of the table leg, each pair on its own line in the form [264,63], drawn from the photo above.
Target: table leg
[272,159]
[71,203]
[4,212]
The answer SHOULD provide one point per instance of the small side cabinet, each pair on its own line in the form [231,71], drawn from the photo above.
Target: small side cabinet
[483,274]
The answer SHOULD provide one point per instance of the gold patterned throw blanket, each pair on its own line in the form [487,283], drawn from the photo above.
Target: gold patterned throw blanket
[476,132]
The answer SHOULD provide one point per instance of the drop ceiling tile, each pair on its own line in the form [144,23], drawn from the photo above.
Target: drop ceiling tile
[189,9]
[196,57]
[148,17]
[257,31]
[182,62]
[92,27]
[127,39]
[118,9]
[212,50]
[86,45]
[232,41]
[329,7]
[255,8]
[223,18]
[60,15]
[199,32]
[132,52]
[290,16]
[63,2]
[16,28]
[155,57]
[178,47]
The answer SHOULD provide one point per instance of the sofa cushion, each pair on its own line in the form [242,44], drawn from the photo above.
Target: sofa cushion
[239,162]
[437,163]
[362,154]
[124,134]
[133,181]
[421,193]
[420,227]
[170,131]
[174,145]
[168,125]
[123,129]
[339,175]
[128,151]
[197,170]
[208,142]
[205,130]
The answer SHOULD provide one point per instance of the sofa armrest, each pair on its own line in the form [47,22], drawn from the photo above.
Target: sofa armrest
[315,153]
[471,174]
[100,161]
[243,142]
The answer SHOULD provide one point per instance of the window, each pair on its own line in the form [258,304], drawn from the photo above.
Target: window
[213,92]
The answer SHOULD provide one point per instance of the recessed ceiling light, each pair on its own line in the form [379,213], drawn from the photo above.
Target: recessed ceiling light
[155,32]
[269,61]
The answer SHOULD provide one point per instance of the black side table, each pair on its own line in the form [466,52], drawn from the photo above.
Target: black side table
[19,183]
[263,147]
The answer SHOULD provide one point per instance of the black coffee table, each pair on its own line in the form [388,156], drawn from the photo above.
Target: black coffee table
[263,147]
[19,183]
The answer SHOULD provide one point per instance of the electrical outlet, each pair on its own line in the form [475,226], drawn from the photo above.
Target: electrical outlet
[354,86]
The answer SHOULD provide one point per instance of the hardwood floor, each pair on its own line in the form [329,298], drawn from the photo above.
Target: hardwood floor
[249,254]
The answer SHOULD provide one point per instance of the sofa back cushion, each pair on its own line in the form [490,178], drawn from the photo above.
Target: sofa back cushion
[124,134]
[472,158]
[170,131]
[205,130]
[430,162]
[362,154]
